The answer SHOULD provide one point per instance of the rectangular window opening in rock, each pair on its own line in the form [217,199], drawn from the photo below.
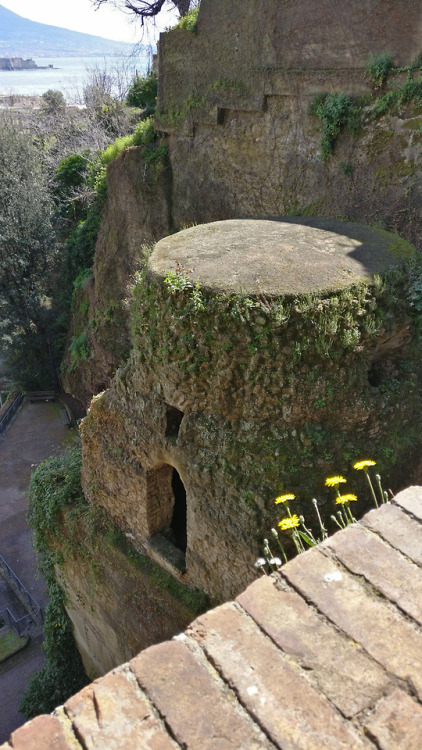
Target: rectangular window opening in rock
[167,516]
[173,421]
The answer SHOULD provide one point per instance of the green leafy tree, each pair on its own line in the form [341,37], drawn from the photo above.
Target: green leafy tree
[29,255]
[54,100]
[143,93]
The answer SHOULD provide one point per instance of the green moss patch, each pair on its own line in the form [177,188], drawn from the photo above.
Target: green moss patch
[10,644]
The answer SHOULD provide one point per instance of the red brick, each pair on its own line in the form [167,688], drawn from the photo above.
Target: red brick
[398,529]
[386,635]
[396,724]
[112,714]
[277,695]
[411,500]
[332,662]
[388,571]
[201,711]
[42,733]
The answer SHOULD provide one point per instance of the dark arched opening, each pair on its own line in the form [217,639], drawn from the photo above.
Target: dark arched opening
[178,523]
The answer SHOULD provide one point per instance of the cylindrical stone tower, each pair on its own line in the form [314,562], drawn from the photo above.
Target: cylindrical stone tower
[266,356]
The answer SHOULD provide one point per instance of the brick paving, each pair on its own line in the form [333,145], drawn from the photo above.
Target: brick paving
[325,653]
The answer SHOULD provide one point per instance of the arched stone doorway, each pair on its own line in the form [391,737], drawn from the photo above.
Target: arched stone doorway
[167,515]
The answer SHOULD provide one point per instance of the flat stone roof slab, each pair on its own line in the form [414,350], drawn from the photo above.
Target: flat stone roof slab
[279,256]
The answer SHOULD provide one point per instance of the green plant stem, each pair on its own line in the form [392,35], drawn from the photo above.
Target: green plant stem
[341,518]
[322,527]
[336,521]
[371,487]
[277,538]
[298,542]
[381,492]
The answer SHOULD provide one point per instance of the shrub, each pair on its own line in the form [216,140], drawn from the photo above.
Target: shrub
[55,485]
[337,112]
[143,93]
[378,68]
[54,100]
[189,21]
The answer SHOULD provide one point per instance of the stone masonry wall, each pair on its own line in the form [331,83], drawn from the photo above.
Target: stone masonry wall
[234,98]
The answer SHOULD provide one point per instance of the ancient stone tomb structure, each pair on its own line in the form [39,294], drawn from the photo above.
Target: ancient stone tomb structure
[266,355]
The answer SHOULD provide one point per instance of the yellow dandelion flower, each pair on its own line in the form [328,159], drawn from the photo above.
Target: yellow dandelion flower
[284,498]
[364,464]
[334,481]
[289,523]
[343,499]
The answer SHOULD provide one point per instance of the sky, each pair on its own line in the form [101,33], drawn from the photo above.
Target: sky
[79,15]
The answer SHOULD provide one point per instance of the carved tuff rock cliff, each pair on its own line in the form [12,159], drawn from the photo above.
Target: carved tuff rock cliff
[233,106]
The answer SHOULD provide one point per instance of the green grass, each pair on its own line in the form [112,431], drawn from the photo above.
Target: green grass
[9,644]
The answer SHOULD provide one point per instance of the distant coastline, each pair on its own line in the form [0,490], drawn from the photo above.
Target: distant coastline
[19,63]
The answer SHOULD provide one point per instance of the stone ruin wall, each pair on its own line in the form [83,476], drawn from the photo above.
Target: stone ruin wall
[233,100]
[240,143]
[233,107]
[248,402]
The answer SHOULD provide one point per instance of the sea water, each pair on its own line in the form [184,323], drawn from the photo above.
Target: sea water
[70,74]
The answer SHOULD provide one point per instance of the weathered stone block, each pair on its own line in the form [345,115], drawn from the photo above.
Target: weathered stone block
[42,732]
[174,680]
[333,663]
[112,713]
[398,529]
[365,555]
[279,697]
[396,723]
[387,636]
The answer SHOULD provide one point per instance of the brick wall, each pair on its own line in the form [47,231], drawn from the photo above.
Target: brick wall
[325,653]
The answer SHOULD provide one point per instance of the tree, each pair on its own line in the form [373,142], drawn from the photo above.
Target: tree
[143,93]
[29,255]
[148,9]
[54,100]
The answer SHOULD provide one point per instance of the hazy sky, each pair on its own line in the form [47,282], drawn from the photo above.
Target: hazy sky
[79,15]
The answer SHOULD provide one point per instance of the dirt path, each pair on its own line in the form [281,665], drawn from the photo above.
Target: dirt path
[36,433]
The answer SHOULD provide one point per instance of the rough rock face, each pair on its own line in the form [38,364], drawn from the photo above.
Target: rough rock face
[267,355]
[136,215]
[233,398]
[234,100]
[233,105]
[116,608]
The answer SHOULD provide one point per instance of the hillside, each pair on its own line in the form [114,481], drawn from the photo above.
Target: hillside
[20,37]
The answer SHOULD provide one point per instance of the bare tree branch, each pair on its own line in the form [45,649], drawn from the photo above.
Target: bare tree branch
[147,9]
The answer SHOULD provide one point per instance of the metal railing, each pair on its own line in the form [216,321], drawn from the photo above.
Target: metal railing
[35,612]
[10,414]
[20,626]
